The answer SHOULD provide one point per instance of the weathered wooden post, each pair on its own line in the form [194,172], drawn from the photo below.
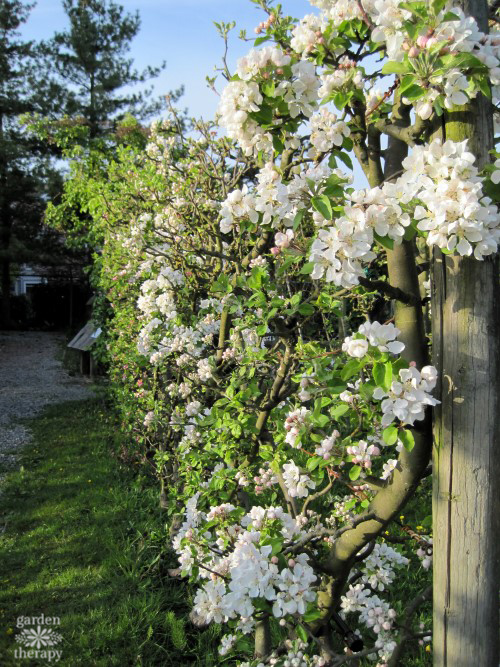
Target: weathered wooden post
[466,499]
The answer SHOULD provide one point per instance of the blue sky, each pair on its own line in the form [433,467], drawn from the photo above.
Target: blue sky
[180,32]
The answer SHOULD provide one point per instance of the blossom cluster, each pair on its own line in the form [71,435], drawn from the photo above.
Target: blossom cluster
[294,421]
[407,397]
[295,656]
[238,567]
[381,336]
[441,191]
[275,202]
[378,571]
[296,483]
[452,209]
[297,86]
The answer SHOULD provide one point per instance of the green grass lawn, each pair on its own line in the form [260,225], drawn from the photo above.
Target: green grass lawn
[83,540]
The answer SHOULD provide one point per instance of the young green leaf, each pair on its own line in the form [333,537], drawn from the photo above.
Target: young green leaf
[323,205]
[390,435]
[406,437]
[354,473]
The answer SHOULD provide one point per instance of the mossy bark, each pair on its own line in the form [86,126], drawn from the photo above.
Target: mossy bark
[466,463]
[262,638]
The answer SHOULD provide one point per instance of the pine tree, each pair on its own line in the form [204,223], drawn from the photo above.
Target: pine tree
[22,183]
[88,68]
[89,60]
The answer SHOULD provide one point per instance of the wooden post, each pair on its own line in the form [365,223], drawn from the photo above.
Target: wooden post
[466,460]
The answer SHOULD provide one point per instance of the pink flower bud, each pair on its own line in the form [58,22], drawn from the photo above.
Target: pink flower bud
[413,52]
[422,41]
[274,560]
[275,251]
[291,563]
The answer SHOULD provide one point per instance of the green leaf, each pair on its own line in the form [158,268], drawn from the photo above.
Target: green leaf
[382,374]
[406,82]
[264,116]
[313,463]
[307,268]
[412,29]
[346,159]
[321,420]
[340,100]
[278,145]
[276,544]
[339,410]
[306,309]
[351,368]
[261,40]
[366,390]
[255,279]
[395,68]
[410,231]
[414,92]
[384,241]
[348,143]
[323,205]
[418,9]
[301,633]
[317,407]
[406,437]
[312,615]
[450,16]
[268,88]
[354,473]
[437,6]
[462,61]
[332,162]
[298,219]
[484,86]
[390,435]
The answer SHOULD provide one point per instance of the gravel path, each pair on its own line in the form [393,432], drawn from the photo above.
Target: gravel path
[30,378]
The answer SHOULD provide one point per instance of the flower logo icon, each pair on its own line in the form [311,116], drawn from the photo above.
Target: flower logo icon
[39,637]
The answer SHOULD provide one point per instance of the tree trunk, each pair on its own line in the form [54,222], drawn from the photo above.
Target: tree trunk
[466,464]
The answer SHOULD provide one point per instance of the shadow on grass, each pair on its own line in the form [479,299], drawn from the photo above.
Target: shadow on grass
[77,544]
